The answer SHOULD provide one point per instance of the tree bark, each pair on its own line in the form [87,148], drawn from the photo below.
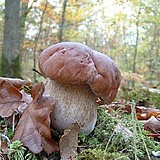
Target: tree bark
[36,41]
[61,27]
[137,41]
[10,65]
[137,38]
[25,9]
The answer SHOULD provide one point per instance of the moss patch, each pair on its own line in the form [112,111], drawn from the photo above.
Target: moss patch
[10,69]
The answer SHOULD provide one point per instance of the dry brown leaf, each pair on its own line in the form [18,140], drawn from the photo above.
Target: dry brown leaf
[152,125]
[154,135]
[147,113]
[3,150]
[33,128]
[4,147]
[125,132]
[37,92]
[25,98]
[10,99]
[142,112]
[68,142]
[18,83]
[100,101]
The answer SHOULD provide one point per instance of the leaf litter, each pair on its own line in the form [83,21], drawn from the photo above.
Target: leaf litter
[33,128]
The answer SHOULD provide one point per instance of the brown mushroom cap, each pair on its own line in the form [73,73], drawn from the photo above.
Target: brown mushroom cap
[72,62]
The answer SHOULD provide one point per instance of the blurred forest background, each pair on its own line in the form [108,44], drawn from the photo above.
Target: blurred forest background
[126,30]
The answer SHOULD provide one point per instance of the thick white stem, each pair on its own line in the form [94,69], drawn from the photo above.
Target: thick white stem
[75,104]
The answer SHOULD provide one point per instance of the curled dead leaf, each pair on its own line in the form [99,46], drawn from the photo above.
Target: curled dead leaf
[152,125]
[10,99]
[26,98]
[125,132]
[142,112]
[18,83]
[33,128]
[68,142]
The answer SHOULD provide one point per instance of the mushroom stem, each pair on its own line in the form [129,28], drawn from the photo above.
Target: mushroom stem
[75,104]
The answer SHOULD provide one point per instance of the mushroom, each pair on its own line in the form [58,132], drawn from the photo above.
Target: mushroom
[75,76]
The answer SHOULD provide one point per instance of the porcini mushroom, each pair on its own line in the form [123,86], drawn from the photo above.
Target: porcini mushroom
[75,76]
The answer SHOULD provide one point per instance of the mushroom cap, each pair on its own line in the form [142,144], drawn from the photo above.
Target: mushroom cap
[76,63]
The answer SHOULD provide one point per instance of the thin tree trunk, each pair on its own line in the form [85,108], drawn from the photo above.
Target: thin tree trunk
[36,42]
[137,41]
[10,65]
[61,27]
[137,38]
[25,9]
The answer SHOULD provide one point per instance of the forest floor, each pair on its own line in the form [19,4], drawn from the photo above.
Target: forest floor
[129,128]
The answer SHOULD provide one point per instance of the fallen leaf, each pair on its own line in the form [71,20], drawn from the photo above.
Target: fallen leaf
[154,135]
[125,132]
[100,101]
[69,141]
[4,147]
[18,83]
[152,125]
[33,128]
[142,112]
[147,113]
[3,150]
[27,99]
[37,92]
[10,99]
[142,116]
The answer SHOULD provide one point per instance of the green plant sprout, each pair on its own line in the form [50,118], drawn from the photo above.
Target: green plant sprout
[16,151]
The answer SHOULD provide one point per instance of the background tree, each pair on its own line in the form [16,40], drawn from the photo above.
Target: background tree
[126,30]
[10,65]
[61,26]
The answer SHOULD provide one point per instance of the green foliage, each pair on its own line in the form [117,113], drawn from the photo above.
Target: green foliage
[30,156]
[10,69]
[16,151]
[141,96]
[97,154]
[10,133]
[111,30]
[107,140]
[144,143]
[104,136]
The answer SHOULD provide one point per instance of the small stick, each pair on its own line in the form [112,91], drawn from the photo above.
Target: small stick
[33,69]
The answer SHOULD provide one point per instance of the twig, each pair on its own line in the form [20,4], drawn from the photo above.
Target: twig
[33,69]
[134,129]
[4,136]
[149,158]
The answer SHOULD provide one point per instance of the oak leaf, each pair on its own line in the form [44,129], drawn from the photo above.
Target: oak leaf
[17,83]
[33,128]
[69,141]
[10,99]
[152,125]
[27,99]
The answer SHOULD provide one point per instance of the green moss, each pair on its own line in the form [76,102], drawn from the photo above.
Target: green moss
[16,150]
[10,69]
[97,154]
[142,96]
[107,140]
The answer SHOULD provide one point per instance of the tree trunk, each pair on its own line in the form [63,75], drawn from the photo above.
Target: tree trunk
[61,27]
[10,65]
[137,39]
[25,9]
[36,41]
